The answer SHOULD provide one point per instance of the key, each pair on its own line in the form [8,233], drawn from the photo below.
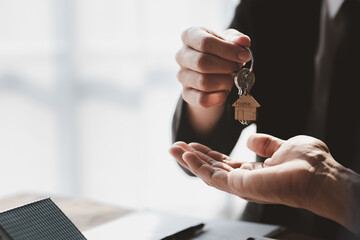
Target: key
[244,80]
[246,106]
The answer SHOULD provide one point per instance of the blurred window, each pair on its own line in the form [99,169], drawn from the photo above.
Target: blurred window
[87,92]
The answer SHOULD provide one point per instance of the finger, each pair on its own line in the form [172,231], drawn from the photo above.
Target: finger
[198,98]
[204,62]
[263,144]
[234,164]
[204,40]
[200,147]
[197,166]
[224,158]
[178,149]
[214,158]
[177,152]
[205,82]
[184,145]
[211,153]
[212,161]
[236,37]
[219,156]
[211,175]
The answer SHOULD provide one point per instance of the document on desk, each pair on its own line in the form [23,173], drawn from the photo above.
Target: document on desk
[154,225]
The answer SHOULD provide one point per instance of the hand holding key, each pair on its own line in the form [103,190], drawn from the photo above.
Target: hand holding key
[207,60]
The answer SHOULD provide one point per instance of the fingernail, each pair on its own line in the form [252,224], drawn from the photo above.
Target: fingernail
[244,56]
[267,162]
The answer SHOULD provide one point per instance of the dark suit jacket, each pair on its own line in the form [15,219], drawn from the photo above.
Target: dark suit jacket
[284,38]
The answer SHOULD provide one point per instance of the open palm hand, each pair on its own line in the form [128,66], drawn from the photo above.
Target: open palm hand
[291,174]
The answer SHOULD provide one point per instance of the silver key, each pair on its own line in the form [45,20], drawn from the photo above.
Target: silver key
[244,80]
[246,106]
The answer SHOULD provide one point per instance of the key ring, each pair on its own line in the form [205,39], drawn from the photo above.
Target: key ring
[251,58]
[246,71]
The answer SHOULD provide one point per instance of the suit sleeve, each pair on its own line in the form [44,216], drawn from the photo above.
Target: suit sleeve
[222,138]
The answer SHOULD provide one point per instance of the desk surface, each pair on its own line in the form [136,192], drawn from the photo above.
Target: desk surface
[84,214]
[87,214]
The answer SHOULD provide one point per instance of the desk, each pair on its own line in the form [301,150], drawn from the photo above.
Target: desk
[87,214]
[84,214]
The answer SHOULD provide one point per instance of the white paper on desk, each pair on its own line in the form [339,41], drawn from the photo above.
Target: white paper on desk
[154,225]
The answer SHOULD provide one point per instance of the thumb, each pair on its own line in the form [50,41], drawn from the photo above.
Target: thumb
[264,145]
[236,37]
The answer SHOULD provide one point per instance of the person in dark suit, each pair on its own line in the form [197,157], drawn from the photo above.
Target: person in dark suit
[306,65]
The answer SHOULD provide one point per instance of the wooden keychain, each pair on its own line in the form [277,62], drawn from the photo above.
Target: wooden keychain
[246,106]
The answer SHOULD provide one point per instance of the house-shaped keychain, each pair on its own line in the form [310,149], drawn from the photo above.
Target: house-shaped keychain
[246,108]
[40,220]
